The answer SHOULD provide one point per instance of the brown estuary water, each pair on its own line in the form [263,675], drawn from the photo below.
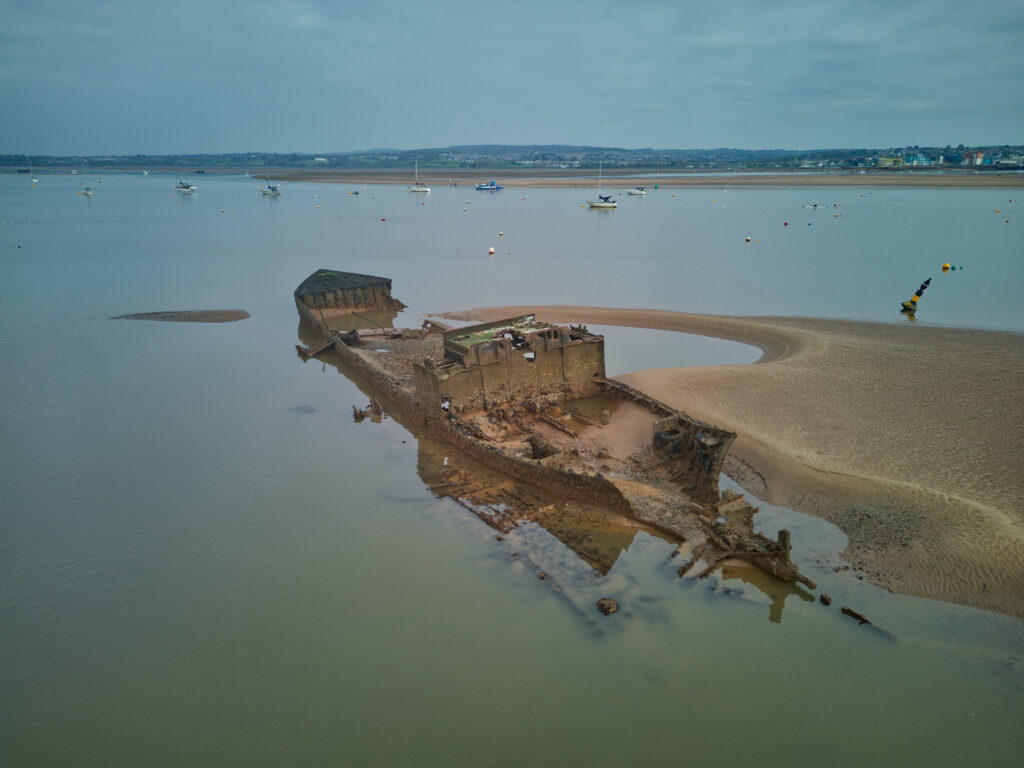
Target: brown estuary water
[204,560]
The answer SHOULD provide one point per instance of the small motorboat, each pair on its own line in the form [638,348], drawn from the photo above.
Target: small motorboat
[184,186]
[491,187]
[271,190]
[636,191]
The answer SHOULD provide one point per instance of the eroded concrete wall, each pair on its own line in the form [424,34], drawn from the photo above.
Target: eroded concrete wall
[700,446]
[497,372]
[374,298]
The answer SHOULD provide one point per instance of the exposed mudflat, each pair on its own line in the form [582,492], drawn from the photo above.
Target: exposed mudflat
[189,316]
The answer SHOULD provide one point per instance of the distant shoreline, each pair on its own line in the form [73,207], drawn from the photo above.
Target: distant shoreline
[585,179]
[440,178]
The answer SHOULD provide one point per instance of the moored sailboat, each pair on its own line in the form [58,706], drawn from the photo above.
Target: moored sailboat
[416,186]
[603,201]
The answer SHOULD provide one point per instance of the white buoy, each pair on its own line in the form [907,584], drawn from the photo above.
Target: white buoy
[490,251]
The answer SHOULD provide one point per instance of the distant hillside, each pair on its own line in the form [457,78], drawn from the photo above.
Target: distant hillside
[498,156]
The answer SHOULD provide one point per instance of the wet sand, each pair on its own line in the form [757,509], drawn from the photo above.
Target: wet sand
[189,316]
[625,178]
[909,438]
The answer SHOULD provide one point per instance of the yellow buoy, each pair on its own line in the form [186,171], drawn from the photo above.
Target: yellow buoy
[946,265]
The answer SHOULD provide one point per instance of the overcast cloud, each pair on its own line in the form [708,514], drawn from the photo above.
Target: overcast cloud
[124,77]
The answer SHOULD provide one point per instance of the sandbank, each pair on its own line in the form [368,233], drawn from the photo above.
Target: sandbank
[909,438]
[189,316]
[623,179]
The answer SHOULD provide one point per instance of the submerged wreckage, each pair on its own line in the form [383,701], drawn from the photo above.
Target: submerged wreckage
[531,400]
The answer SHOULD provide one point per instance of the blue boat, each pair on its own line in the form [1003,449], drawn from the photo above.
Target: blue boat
[493,186]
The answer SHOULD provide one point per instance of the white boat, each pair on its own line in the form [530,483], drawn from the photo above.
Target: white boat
[416,186]
[603,201]
[636,191]
[87,191]
[184,186]
[271,190]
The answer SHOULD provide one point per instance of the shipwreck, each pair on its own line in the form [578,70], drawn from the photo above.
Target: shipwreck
[532,401]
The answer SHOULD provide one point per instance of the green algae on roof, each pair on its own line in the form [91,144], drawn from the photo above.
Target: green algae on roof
[471,335]
[329,280]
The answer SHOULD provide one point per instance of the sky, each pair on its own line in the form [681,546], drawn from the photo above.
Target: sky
[93,77]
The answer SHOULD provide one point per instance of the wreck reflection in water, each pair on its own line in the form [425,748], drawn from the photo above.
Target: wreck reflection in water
[776,589]
[595,536]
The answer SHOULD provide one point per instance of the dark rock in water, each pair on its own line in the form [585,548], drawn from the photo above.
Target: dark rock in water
[607,606]
[825,599]
[302,409]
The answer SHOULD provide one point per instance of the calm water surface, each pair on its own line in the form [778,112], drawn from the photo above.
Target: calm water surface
[205,561]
